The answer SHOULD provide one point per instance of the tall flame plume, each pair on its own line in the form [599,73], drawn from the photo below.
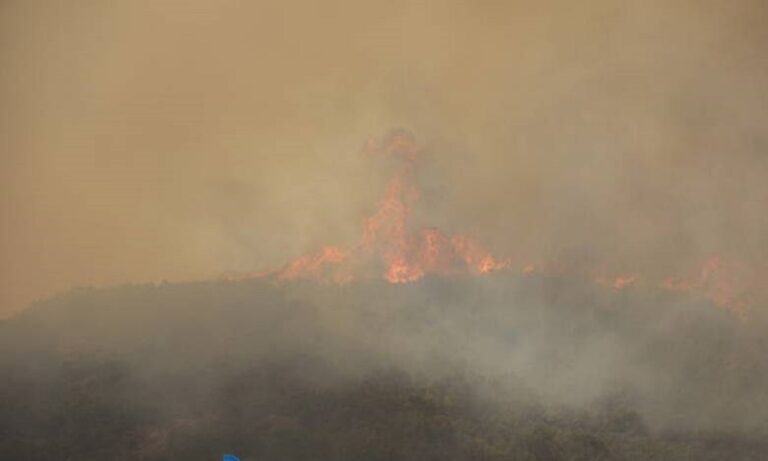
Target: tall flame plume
[390,248]
[389,244]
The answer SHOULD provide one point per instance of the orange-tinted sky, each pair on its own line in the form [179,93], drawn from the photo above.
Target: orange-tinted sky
[170,139]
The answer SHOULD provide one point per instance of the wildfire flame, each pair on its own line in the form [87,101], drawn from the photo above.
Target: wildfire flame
[388,240]
[391,249]
[618,282]
[725,284]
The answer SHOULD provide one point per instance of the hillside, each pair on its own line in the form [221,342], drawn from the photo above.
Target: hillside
[499,368]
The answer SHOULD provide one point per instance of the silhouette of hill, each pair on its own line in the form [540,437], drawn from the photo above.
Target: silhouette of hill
[499,368]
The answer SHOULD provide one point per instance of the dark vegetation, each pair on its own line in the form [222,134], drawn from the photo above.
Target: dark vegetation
[191,371]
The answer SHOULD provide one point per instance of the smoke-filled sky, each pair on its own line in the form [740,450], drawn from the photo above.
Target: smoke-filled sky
[171,139]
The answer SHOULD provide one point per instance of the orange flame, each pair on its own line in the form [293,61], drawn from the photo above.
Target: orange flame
[406,255]
[618,282]
[391,250]
[313,264]
[725,284]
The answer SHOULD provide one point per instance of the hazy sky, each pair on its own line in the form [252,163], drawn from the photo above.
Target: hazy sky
[176,139]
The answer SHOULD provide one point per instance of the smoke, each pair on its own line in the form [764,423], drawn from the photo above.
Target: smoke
[207,138]
[679,363]
[165,140]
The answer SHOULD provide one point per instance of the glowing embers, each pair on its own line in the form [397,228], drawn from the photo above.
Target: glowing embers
[318,264]
[725,284]
[618,282]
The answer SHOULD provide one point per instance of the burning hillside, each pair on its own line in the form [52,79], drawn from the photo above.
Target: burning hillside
[393,249]
[405,343]
[390,248]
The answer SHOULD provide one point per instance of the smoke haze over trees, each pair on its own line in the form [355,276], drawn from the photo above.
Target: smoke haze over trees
[196,235]
[503,367]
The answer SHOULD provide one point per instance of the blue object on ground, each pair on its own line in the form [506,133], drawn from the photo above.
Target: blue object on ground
[230,458]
